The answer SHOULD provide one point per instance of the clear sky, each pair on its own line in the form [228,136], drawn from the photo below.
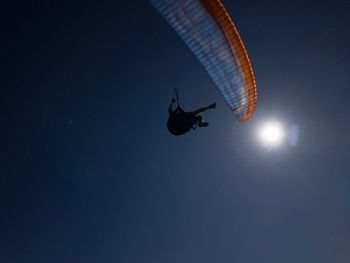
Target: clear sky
[89,172]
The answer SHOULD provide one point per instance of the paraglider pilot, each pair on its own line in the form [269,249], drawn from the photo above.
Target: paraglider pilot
[181,122]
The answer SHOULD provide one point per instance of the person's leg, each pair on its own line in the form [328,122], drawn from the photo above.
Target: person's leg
[203,109]
[203,124]
[200,122]
[198,118]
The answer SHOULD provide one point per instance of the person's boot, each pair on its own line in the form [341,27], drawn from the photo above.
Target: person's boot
[212,106]
[203,124]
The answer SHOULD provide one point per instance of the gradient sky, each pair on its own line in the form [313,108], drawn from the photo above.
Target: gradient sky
[89,172]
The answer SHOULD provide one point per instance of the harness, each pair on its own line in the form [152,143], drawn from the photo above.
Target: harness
[176,95]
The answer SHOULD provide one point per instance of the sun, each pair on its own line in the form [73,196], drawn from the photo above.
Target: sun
[271,134]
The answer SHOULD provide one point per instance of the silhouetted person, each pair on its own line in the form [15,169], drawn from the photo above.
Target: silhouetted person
[180,122]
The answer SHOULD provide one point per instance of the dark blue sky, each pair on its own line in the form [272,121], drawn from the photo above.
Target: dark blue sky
[89,172]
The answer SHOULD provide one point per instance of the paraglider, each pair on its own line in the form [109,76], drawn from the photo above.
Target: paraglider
[181,122]
[208,30]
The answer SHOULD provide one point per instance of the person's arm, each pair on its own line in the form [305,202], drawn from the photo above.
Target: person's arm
[170,109]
